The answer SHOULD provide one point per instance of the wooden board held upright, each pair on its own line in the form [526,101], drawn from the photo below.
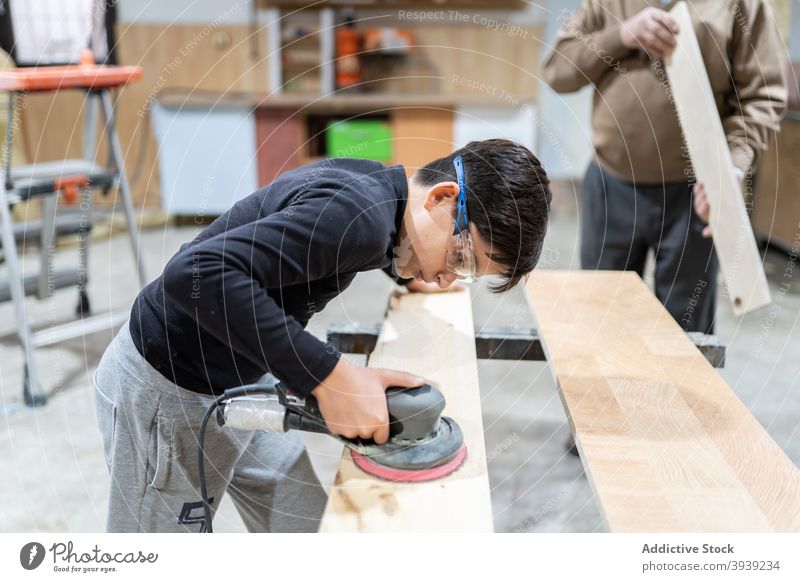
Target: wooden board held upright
[433,336]
[702,129]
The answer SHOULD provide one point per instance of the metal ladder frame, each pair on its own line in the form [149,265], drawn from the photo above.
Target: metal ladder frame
[33,391]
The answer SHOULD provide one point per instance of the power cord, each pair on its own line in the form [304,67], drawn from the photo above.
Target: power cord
[230,393]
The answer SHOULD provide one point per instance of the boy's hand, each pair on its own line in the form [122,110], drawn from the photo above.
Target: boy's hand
[423,287]
[652,30]
[352,400]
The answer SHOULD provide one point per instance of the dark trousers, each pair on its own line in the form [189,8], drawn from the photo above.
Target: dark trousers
[621,221]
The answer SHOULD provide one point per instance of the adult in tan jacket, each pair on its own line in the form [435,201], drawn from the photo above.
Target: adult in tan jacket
[637,193]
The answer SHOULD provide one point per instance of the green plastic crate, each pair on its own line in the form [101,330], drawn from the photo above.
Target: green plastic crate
[368,139]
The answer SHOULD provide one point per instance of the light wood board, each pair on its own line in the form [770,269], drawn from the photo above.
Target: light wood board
[421,135]
[665,442]
[431,335]
[736,248]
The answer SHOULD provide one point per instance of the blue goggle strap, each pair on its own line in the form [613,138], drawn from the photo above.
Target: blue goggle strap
[462,218]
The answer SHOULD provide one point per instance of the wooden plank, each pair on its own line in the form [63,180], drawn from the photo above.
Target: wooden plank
[430,335]
[702,129]
[421,135]
[665,442]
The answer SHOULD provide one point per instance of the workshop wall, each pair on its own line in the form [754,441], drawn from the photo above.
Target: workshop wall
[212,48]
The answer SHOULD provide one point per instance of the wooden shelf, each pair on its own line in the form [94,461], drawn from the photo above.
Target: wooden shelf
[421,4]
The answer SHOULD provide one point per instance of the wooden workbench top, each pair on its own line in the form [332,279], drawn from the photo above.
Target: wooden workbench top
[666,443]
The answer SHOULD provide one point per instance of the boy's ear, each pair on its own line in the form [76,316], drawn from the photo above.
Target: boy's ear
[443,192]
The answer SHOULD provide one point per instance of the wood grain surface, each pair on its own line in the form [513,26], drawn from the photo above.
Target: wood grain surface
[430,335]
[665,442]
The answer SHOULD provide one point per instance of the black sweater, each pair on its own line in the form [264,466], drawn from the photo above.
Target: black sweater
[233,303]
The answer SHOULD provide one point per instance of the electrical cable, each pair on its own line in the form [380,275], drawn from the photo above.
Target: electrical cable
[230,393]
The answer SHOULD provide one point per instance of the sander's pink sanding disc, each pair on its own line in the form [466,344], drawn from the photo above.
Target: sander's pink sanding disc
[409,476]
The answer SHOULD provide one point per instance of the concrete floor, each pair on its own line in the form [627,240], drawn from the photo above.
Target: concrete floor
[54,476]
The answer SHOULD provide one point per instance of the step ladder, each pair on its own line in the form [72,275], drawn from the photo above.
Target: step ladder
[72,180]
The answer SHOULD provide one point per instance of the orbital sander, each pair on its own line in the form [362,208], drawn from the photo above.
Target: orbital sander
[423,445]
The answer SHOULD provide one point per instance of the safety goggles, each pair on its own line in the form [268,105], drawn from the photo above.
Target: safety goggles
[460,254]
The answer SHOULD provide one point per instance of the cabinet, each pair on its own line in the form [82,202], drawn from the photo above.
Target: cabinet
[213,153]
[206,158]
[776,205]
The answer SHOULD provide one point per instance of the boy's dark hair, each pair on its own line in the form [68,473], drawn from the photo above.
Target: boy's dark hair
[508,200]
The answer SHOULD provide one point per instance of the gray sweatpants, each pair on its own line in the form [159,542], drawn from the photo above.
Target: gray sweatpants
[621,221]
[149,428]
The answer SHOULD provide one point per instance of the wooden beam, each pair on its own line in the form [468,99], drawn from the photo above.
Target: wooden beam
[429,335]
[736,247]
[665,442]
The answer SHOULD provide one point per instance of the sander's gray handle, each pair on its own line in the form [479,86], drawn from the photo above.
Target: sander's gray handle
[413,413]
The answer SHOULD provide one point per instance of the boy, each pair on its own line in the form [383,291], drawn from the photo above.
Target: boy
[232,305]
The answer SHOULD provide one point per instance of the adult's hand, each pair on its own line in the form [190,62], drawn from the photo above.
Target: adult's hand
[701,207]
[651,30]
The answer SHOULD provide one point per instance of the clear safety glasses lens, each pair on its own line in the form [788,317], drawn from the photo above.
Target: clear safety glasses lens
[461,257]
